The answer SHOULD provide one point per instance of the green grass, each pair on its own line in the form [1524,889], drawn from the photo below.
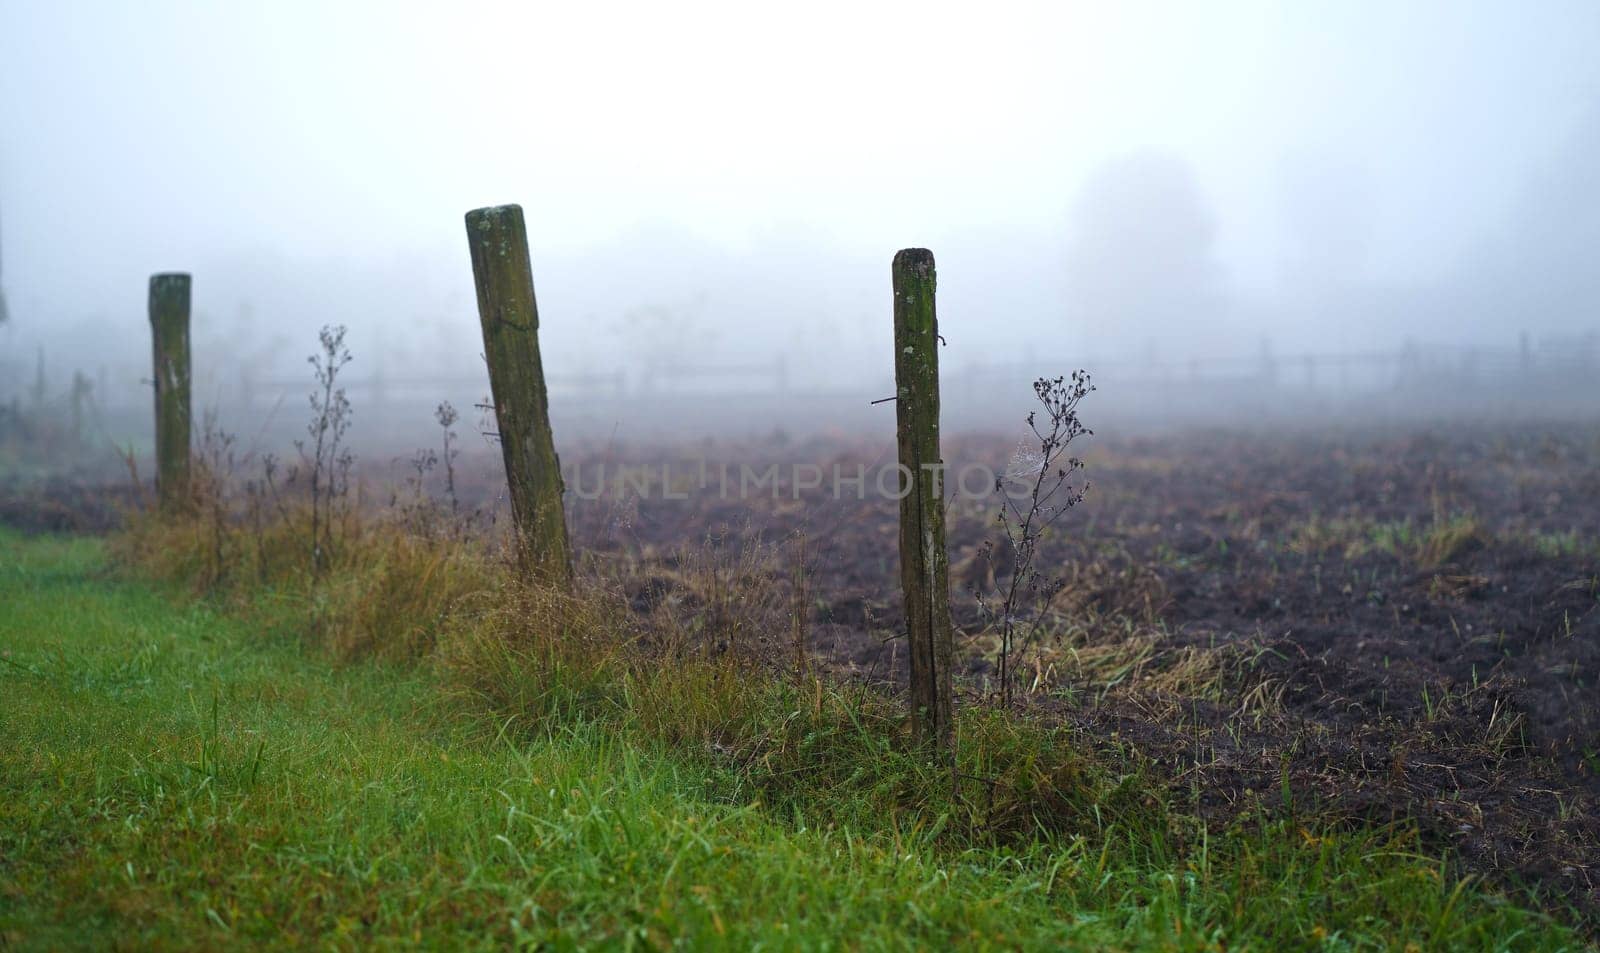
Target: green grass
[176,776]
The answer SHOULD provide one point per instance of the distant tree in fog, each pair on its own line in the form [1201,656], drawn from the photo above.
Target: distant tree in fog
[664,336]
[1141,263]
[1330,220]
[1539,271]
[1327,295]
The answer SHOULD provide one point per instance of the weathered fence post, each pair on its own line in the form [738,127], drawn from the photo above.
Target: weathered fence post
[924,563]
[510,317]
[169,335]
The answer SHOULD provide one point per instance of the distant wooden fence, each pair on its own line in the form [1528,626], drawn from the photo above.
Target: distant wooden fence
[1560,360]
[1567,365]
[1554,362]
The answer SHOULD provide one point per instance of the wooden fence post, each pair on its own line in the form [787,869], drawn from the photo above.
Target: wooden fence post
[169,335]
[924,562]
[503,274]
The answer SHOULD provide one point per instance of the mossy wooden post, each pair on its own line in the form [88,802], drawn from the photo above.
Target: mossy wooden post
[510,317]
[169,335]
[924,563]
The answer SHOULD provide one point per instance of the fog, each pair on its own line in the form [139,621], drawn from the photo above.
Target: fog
[1183,187]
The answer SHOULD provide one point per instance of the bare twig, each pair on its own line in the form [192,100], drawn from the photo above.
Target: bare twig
[1037,488]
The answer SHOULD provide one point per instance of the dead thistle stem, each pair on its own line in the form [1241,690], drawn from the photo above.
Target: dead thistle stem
[447,416]
[216,465]
[419,512]
[1045,476]
[329,465]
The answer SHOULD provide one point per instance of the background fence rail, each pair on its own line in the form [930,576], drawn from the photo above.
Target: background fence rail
[1534,375]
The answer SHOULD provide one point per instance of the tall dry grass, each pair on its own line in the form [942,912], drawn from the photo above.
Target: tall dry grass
[700,664]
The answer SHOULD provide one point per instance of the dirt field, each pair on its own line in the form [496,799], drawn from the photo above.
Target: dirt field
[1384,626]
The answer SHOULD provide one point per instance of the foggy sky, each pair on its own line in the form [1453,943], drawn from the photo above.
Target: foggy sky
[729,181]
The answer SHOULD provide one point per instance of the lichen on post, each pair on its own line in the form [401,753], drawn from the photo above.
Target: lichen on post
[924,562]
[169,336]
[503,274]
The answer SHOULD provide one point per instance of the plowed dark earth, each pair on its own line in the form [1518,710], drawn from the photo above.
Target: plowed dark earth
[1397,626]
